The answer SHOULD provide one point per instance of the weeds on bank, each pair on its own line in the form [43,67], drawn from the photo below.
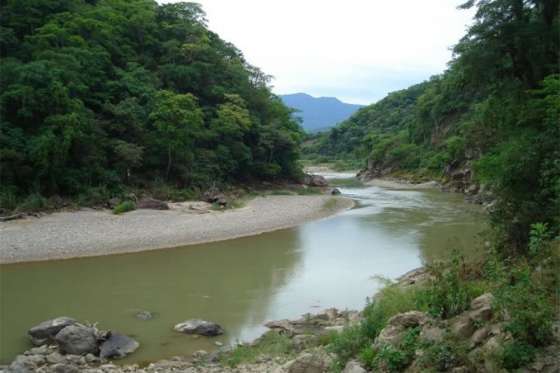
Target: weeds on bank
[525,291]
[270,344]
[123,207]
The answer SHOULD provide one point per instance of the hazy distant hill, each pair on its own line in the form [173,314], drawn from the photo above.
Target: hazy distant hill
[319,113]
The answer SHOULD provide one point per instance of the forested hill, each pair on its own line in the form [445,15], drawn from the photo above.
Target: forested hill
[319,113]
[491,119]
[98,95]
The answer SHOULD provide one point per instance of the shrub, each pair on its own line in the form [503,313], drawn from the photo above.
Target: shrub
[450,292]
[517,354]
[33,202]
[123,207]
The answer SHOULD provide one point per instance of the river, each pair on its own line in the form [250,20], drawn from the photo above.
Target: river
[244,282]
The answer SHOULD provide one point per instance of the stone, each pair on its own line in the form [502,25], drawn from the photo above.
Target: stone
[45,331]
[462,326]
[65,368]
[77,340]
[309,362]
[199,327]
[199,355]
[152,204]
[414,277]
[315,180]
[117,346]
[479,336]
[335,192]
[144,315]
[431,333]
[55,358]
[353,367]
[393,331]
[303,341]
[26,363]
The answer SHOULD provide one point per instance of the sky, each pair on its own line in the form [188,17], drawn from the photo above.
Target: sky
[355,50]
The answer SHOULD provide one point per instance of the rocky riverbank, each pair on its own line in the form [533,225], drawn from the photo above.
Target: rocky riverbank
[410,341]
[99,232]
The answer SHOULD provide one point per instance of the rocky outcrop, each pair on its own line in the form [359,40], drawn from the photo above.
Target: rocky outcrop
[117,346]
[199,327]
[45,331]
[315,180]
[77,340]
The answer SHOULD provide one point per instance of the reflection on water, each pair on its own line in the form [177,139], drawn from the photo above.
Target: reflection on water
[244,282]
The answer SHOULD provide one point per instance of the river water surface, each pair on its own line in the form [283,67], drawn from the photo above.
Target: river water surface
[242,283]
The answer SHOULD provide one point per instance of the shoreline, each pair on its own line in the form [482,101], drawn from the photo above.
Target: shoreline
[89,233]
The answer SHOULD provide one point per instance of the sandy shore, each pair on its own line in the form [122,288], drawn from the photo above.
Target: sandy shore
[93,232]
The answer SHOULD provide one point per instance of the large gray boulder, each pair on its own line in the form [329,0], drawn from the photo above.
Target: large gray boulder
[315,180]
[44,332]
[77,340]
[200,327]
[152,204]
[117,346]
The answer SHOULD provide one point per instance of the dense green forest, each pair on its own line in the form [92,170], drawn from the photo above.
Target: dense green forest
[98,95]
[496,109]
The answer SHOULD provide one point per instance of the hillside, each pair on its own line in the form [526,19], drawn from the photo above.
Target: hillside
[319,113]
[100,97]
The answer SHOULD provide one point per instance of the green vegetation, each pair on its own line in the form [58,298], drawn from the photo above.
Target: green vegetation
[123,207]
[495,111]
[117,94]
[270,344]
[524,300]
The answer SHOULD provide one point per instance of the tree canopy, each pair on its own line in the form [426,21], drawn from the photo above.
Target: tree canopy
[108,93]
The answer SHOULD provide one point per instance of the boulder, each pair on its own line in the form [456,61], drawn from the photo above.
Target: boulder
[335,192]
[353,367]
[199,327]
[462,326]
[77,340]
[45,331]
[481,307]
[152,204]
[316,361]
[65,368]
[117,346]
[393,331]
[315,180]
[431,333]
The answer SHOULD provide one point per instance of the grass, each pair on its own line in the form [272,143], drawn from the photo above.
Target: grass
[271,344]
[123,207]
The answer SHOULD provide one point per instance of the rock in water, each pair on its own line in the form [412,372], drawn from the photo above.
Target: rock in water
[335,192]
[45,331]
[77,340]
[144,315]
[200,327]
[118,346]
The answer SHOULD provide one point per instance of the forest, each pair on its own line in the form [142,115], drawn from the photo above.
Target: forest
[497,107]
[100,96]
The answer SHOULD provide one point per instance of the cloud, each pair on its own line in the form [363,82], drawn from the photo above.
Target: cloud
[357,50]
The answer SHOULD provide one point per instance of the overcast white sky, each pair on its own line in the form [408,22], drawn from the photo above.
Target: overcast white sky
[356,50]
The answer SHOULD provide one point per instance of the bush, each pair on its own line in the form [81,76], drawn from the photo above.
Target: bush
[33,202]
[517,354]
[396,359]
[123,207]
[450,293]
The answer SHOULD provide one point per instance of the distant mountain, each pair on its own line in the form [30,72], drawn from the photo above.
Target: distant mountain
[319,113]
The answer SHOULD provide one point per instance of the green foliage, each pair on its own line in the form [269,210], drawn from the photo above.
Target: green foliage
[517,354]
[527,304]
[443,356]
[270,344]
[450,292]
[33,202]
[497,107]
[123,207]
[121,93]
[396,358]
